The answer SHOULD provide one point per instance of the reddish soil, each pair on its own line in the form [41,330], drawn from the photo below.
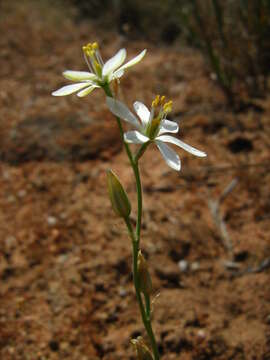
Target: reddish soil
[65,260]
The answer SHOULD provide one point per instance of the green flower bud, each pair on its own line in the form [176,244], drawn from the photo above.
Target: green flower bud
[145,281]
[118,196]
[143,353]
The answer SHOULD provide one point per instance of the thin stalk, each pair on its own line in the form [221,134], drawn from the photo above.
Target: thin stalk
[147,305]
[136,237]
[144,312]
[134,165]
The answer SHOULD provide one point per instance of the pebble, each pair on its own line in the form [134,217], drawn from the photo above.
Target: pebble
[6,175]
[195,266]
[11,198]
[183,265]
[201,334]
[51,220]
[10,242]
[122,292]
[21,193]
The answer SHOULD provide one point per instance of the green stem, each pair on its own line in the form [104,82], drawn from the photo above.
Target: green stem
[147,305]
[135,167]
[136,238]
[145,314]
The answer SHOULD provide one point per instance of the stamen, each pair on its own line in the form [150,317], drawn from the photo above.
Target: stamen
[95,46]
[156,101]
[93,58]
[99,58]
[98,68]
[167,107]
[88,63]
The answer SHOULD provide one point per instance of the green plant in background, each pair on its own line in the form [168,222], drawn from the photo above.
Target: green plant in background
[234,35]
[152,127]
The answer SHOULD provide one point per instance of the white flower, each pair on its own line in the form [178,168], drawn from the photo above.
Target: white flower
[100,74]
[153,127]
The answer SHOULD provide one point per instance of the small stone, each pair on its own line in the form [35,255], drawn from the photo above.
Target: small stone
[10,242]
[231,265]
[11,198]
[122,292]
[63,216]
[51,220]
[195,266]
[201,334]
[5,175]
[183,265]
[21,193]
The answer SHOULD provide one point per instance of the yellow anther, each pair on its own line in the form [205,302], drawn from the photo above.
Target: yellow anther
[156,101]
[87,49]
[167,107]
[162,100]
[95,46]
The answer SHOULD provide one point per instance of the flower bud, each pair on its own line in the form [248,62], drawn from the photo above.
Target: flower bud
[143,353]
[145,281]
[118,196]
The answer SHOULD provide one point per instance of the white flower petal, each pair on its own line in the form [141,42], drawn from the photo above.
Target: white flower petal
[170,156]
[116,75]
[87,91]
[181,144]
[135,137]
[79,75]
[142,112]
[133,61]
[120,110]
[114,62]
[168,126]
[69,89]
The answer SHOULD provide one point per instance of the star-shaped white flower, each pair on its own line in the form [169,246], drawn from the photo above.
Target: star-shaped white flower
[153,127]
[100,74]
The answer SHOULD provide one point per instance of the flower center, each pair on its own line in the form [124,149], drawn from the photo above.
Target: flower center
[93,58]
[159,111]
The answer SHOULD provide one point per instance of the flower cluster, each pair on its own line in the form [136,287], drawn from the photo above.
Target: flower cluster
[153,127]
[100,74]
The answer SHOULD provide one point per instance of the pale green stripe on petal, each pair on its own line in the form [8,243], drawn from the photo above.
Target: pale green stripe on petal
[170,156]
[181,144]
[114,62]
[87,91]
[116,75]
[79,75]
[69,89]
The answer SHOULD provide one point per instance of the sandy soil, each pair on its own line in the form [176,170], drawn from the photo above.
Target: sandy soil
[65,260]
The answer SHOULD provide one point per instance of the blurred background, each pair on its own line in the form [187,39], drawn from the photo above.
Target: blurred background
[65,261]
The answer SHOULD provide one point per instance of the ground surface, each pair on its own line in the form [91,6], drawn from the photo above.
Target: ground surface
[65,260]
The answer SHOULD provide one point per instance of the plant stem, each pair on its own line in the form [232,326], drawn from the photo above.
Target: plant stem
[145,313]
